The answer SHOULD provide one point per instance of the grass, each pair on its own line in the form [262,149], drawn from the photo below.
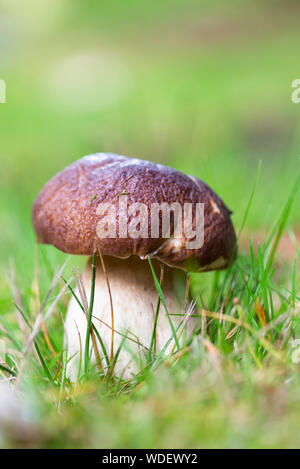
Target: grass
[89,321]
[233,383]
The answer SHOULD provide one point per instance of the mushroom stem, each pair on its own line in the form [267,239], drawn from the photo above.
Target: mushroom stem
[131,307]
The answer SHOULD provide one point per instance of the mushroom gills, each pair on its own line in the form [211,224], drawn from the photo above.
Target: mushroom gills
[134,299]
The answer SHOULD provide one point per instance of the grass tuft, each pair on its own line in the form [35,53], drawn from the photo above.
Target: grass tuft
[243,352]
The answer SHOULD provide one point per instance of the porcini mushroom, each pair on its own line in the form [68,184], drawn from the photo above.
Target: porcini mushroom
[92,204]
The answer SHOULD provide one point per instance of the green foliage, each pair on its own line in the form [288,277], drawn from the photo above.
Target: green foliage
[238,362]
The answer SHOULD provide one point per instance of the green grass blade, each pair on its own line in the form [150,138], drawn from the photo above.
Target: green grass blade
[89,320]
[159,290]
[44,365]
[250,198]
[281,224]
[7,370]
[93,325]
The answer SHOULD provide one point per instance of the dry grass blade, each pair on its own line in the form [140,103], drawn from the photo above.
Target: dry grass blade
[55,281]
[39,319]
[190,310]
[173,358]
[265,343]
[232,332]
[261,313]
[79,282]
[135,340]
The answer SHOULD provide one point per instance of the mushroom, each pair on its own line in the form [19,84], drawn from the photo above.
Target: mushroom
[93,204]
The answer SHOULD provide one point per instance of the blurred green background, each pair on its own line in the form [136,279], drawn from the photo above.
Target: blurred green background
[203,86]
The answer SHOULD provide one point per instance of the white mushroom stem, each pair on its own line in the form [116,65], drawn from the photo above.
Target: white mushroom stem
[134,299]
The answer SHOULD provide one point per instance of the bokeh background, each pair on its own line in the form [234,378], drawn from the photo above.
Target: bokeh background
[200,85]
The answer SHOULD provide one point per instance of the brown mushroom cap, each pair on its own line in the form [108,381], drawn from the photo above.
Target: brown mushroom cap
[64,213]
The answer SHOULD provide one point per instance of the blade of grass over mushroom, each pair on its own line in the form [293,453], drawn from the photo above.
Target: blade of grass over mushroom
[158,358]
[153,336]
[80,354]
[131,339]
[89,320]
[110,300]
[85,308]
[186,316]
[136,357]
[111,368]
[159,290]
[101,345]
[94,328]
